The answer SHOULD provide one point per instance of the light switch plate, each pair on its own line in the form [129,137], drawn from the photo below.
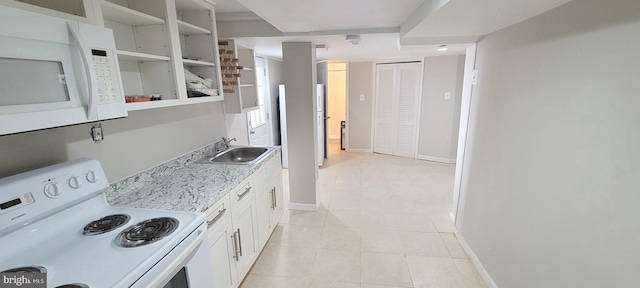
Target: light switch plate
[447,95]
[361,97]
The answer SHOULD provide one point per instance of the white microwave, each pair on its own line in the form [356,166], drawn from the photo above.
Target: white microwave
[55,72]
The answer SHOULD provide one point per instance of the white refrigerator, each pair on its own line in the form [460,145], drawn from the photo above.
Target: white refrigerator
[320,137]
[320,114]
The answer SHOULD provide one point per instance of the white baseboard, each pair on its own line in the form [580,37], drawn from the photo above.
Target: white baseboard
[476,262]
[360,150]
[436,159]
[304,207]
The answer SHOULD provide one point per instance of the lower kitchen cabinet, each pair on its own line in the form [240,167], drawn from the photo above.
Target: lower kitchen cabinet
[278,198]
[264,201]
[245,235]
[221,249]
[237,235]
[269,200]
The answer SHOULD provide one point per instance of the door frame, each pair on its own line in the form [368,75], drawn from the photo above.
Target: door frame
[346,106]
[267,100]
[459,198]
[375,97]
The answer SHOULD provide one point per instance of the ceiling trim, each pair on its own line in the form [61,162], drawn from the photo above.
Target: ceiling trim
[262,28]
[439,40]
[237,17]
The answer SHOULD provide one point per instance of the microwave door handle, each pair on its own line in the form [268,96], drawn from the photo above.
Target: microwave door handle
[90,71]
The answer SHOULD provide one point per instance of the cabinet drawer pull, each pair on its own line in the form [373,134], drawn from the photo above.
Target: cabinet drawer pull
[244,193]
[235,247]
[275,199]
[239,243]
[220,213]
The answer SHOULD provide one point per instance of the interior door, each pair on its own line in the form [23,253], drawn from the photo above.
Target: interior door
[396,114]
[406,109]
[257,120]
[384,118]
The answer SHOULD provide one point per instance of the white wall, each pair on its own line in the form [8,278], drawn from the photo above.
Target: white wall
[440,117]
[237,128]
[552,161]
[133,144]
[359,122]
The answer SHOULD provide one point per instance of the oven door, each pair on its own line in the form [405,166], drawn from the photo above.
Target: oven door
[187,265]
[196,272]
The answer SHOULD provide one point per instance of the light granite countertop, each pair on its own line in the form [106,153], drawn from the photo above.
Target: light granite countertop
[183,184]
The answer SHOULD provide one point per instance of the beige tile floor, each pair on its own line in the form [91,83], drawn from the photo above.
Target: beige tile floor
[384,222]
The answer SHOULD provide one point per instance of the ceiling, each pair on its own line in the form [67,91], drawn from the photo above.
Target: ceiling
[378,46]
[229,6]
[327,15]
[419,25]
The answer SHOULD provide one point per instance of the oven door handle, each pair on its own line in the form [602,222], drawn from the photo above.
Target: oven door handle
[89,69]
[159,276]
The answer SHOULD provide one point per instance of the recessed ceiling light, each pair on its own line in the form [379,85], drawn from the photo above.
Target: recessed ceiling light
[443,48]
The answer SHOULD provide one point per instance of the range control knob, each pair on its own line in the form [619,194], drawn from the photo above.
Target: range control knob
[75,182]
[53,190]
[91,176]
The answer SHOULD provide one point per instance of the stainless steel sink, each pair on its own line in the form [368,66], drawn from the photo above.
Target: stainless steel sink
[238,155]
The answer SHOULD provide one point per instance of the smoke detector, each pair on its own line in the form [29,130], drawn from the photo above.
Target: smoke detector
[353,39]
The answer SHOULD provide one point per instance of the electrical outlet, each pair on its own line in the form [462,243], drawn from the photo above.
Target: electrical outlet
[447,95]
[96,133]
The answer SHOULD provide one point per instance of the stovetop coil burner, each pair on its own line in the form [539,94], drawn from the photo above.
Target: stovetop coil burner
[146,232]
[105,224]
[27,269]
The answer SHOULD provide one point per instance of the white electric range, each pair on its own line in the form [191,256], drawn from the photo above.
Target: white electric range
[56,219]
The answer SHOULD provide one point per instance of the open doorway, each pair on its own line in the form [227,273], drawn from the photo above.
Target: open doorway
[336,103]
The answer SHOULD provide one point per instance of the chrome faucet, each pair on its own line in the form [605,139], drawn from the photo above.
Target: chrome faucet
[227,141]
[222,145]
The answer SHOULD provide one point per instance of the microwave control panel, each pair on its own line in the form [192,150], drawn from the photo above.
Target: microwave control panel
[108,84]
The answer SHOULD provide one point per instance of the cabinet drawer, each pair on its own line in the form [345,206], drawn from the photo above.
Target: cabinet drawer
[241,193]
[218,211]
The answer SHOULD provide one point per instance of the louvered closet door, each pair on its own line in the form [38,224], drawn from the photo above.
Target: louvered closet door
[398,87]
[385,87]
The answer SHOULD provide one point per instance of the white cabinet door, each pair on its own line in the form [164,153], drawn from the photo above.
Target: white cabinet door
[396,114]
[222,251]
[263,209]
[277,208]
[245,235]
[269,204]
